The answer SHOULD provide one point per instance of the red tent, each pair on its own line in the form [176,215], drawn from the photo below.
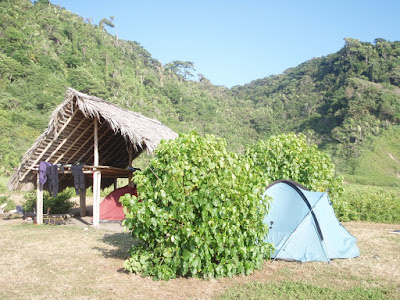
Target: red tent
[110,208]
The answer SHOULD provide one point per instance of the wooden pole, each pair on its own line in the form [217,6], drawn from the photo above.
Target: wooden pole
[115,183]
[130,155]
[96,143]
[98,196]
[96,177]
[82,202]
[39,201]
[95,213]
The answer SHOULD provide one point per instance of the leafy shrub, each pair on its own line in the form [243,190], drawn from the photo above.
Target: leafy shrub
[10,203]
[367,203]
[290,156]
[199,212]
[58,205]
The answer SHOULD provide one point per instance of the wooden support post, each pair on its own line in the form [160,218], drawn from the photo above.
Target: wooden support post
[130,156]
[39,201]
[95,213]
[96,197]
[115,183]
[96,177]
[82,202]
[96,143]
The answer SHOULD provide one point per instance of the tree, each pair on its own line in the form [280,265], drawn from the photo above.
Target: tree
[203,79]
[181,68]
[45,2]
[82,80]
[107,22]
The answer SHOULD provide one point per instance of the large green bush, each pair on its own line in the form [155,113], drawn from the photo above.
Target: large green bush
[290,156]
[57,205]
[199,212]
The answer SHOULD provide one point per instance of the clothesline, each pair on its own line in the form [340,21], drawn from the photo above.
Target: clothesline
[87,166]
[105,170]
[48,173]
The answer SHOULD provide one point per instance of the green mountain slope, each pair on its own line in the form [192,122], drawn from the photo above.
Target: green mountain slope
[359,82]
[341,101]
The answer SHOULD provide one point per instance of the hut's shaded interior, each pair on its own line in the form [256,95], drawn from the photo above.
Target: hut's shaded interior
[74,145]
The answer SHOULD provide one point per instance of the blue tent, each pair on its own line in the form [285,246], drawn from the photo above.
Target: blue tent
[303,225]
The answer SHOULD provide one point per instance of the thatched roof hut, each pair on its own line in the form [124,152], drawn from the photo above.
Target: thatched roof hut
[79,125]
[68,138]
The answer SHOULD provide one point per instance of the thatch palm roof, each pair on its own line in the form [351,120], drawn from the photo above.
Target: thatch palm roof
[68,138]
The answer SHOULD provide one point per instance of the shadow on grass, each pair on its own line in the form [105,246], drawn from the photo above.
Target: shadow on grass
[83,221]
[121,244]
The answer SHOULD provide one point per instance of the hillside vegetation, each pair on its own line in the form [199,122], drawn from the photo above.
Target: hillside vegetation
[345,102]
[340,100]
[45,48]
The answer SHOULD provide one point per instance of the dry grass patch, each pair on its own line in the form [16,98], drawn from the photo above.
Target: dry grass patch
[53,262]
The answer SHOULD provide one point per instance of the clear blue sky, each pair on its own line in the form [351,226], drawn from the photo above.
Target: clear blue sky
[234,42]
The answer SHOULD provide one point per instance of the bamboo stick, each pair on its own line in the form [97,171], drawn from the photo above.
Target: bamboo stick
[130,154]
[97,177]
[39,201]
[64,140]
[72,145]
[89,148]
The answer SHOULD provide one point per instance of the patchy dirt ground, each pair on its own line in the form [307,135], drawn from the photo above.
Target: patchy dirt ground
[77,261]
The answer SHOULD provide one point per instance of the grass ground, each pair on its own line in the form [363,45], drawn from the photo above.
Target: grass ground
[80,262]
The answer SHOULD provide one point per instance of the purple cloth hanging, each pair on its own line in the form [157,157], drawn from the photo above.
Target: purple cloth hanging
[52,182]
[42,172]
[79,178]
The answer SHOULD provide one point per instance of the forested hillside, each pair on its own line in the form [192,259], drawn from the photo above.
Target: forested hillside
[45,48]
[340,101]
